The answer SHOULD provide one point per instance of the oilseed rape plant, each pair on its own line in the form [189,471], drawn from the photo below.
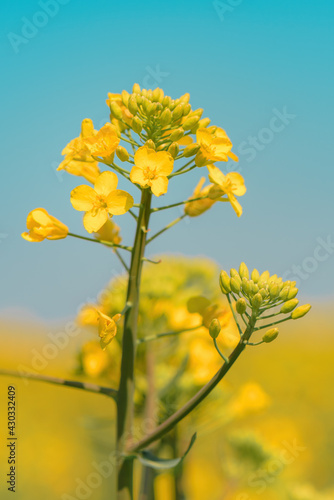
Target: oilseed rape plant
[152,139]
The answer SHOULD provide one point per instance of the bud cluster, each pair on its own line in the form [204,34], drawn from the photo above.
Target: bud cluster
[158,118]
[256,293]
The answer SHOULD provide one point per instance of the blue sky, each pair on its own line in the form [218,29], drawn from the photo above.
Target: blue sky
[261,70]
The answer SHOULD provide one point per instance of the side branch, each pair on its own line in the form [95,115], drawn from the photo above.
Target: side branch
[97,389]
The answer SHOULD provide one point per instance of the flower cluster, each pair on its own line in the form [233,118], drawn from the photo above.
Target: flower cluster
[255,294]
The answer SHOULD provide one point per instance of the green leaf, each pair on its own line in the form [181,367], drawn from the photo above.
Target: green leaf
[148,459]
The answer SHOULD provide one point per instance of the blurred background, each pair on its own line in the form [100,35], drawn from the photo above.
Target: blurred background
[261,70]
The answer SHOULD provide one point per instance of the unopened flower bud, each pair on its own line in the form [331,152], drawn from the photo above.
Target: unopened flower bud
[241,306]
[166,101]
[235,284]
[150,144]
[270,335]
[246,286]
[243,271]
[186,109]
[122,153]
[197,112]
[178,112]
[191,150]
[115,110]
[149,94]
[257,301]
[173,149]
[225,282]
[190,122]
[255,275]
[289,306]
[157,95]
[185,98]
[274,291]
[132,105]
[165,117]
[137,124]
[205,122]
[214,328]
[263,292]
[136,89]
[284,293]
[234,272]
[125,97]
[292,292]
[300,311]
[177,134]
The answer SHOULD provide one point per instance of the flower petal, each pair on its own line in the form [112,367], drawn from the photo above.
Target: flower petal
[105,183]
[163,162]
[141,158]
[119,202]
[203,137]
[159,186]
[235,204]
[94,219]
[137,176]
[215,175]
[239,188]
[83,198]
[32,237]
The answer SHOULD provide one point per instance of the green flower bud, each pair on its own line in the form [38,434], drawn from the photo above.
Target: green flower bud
[132,105]
[255,286]
[149,95]
[136,89]
[274,291]
[257,301]
[125,97]
[270,335]
[166,101]
[173,149]
[144,93]
[137,124]
[197,112]
[166,117]
[115,110]
[191,150]
[190,122]
[186,109]
[150,144]
[178,112]
[246,286]
[292,292]
[235,285]
[214,328]
[241,306]
[255,275]
[263,292]
[177,134]
[225,282]
[234,272]
[122,153]
[158,95]
[289,306]
[139,98]
[243,270]
[300,311]
[185,98]
[284,293]
[263,280]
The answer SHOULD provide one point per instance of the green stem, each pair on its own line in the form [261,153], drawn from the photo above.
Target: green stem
[234,315]
[170,423]
[166,334]
[184,166]
[272,324]
[125,406]
[106,243]
[219,351]
[97,389]
[178,204]
[122,261]
[171,224]
[182,172]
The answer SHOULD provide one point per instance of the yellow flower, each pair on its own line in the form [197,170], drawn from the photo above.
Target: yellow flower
[127,116]
[89,315]
[102,201]
[78,160]
[42,225]
[151,169]
[231,184]
[195,208]
[107,328]
[109,232]
[215,146]
[104,143]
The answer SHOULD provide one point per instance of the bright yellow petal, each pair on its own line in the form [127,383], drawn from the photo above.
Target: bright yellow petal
[105,183]
[164,163]
[185,140]
[94,219]
[119,202]
[38,217]
[233,156]
[32,237]
[239,188]
[87,128]
[141,156]
[137,176]
[204,138]
[159,186]
[215,175]
[235,204]
[83,198]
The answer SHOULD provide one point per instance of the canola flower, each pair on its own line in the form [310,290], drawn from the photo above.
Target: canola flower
[157,139]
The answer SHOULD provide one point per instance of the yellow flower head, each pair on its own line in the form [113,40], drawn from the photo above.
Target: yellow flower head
[195,208]
[151,169]
[101,201]
[109,232]
[107,328]
[89,315]
[104,143]
[78,160]
[231,184]
[42,225]
[215,146]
